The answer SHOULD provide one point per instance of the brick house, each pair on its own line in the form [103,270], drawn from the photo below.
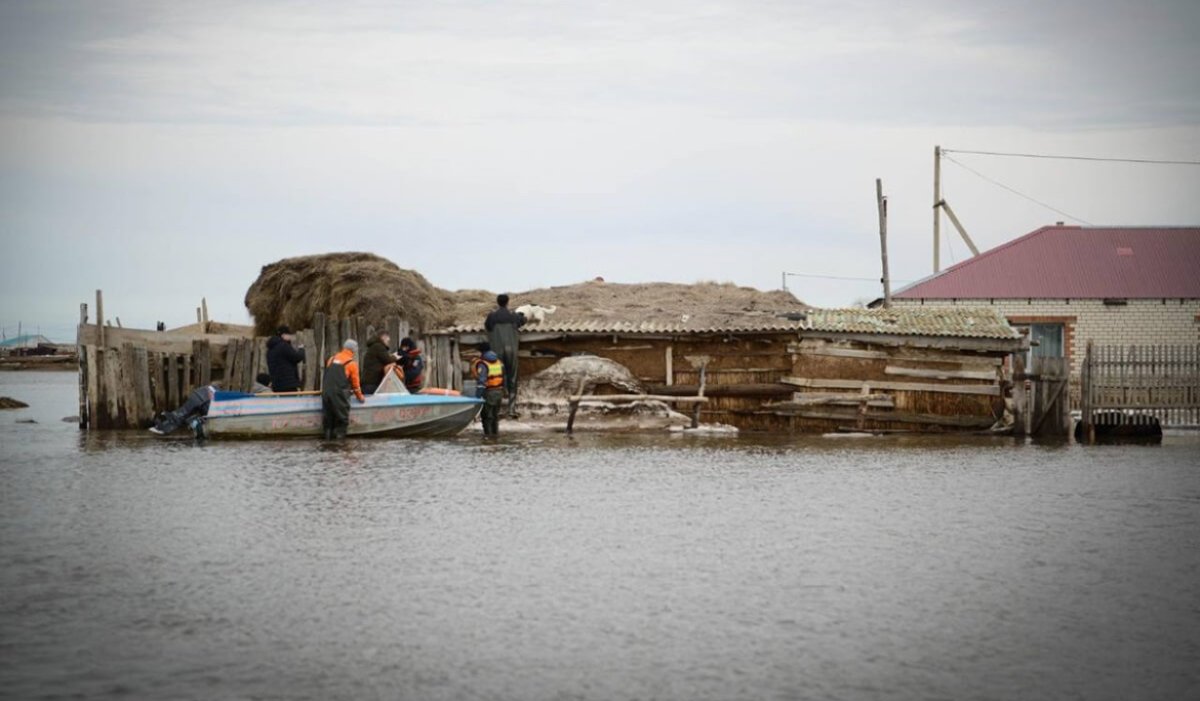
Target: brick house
[1064,285]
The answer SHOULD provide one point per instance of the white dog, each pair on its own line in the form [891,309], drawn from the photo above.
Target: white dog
[535,313]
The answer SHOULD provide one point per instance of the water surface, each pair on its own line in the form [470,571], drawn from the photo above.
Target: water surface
[542,567]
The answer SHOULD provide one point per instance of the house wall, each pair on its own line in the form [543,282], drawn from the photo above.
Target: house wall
[760,363]
[1140,321]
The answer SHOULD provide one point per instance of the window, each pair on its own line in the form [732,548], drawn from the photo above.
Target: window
[1049,339]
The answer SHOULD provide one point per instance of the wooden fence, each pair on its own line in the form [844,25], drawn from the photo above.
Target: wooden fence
[128,376]
[1140,383]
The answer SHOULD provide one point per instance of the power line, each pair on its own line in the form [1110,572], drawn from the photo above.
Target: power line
[1154,161]
[1018,193]
[839,277]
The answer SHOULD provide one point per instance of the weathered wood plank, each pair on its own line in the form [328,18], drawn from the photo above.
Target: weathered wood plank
[141,375]
[975,422]
[964,343]
[738,390]
[820,383]
[172,380]
[940,374]
[821,348]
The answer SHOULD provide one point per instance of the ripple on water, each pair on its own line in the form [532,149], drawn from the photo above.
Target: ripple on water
[594,567]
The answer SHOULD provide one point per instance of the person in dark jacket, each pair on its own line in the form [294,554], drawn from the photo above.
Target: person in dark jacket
[282,361]
[375,361]
[413,364]
[503,333]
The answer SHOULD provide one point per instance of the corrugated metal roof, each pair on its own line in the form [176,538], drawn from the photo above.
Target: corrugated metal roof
[968,322]
[979,322]
[1076,262]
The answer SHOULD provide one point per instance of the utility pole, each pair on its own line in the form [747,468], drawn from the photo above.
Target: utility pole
[937,203]
[881,202]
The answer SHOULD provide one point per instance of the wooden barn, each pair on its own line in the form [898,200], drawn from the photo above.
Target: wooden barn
[813,371]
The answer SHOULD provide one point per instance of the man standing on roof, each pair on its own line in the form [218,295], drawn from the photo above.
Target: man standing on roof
[339,380]
[282,360]
[503,332]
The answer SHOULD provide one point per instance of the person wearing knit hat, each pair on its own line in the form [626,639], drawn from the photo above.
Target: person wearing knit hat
[341,378]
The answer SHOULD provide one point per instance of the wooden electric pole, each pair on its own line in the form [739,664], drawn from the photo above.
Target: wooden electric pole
[881,202]
[937,203]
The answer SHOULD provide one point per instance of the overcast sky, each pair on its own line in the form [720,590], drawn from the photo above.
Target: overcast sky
[166,151]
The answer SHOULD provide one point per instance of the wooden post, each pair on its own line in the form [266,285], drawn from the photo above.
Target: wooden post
[186,381]
[204,319]
[246,364]
[172,380]
[202,361]
[81,353]
[200,319]
[670,360]
[1018,395]
[129,382]
[332,342]
[937,203]
[574,403]
[95,410]
[881,202]
[1085,396]
[141,378]
[100,336]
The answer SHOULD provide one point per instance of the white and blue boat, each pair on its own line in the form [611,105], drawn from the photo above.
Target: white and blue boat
[390,412]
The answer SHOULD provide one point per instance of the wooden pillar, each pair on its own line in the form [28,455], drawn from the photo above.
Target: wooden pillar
[670,361]
[95,410]
[141,376]
[246,364]
[1085,396]
[202,361]
[1020,415]
[332,342]
[937,213]
[129,382]
[881,202]
[81,354]
[204,311]
[172,380]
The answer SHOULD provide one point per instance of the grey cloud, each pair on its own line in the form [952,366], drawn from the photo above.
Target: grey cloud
[1035,64]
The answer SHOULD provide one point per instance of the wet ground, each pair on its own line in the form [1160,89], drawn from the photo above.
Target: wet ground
[545,567]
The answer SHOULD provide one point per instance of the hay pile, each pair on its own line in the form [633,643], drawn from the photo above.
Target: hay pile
[291,291]
[704,303]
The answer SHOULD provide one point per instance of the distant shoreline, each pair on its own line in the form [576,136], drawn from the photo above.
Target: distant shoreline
[57,363]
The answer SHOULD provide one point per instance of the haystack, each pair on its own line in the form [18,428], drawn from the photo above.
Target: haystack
[340,285]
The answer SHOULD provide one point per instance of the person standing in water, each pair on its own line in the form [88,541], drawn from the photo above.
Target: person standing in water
[340,379]
[490,386]
[503,327]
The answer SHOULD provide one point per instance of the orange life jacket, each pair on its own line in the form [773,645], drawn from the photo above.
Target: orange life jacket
[495,375]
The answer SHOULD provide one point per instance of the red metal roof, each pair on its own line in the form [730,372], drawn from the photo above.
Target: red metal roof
[1078,262]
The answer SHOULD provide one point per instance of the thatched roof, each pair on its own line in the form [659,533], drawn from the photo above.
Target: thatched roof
[291,291]
[700,305]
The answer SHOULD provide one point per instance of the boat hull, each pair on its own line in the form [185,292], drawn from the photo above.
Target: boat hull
[390,415]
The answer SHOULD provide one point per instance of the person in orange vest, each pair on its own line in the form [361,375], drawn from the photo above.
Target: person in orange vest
[490,386]
[339,381]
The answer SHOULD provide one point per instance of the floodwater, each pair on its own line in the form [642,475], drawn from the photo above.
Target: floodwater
[541,567]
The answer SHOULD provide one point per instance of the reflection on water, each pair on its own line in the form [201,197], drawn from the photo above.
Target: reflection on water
[601,567]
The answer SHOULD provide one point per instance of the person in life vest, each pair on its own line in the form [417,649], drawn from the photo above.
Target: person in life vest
[339,381]
[489,380]
[413,364]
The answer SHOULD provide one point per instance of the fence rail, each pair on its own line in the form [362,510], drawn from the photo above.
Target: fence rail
[1140,384]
